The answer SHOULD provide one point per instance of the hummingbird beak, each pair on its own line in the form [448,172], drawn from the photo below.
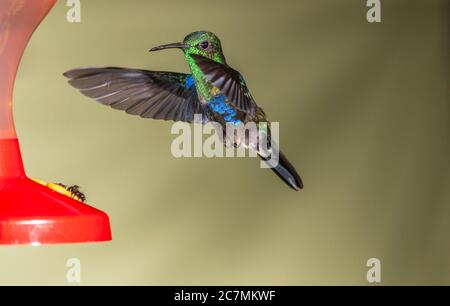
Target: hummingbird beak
[178,45]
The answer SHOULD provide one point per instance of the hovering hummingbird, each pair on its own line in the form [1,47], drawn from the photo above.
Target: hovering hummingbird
[214,90]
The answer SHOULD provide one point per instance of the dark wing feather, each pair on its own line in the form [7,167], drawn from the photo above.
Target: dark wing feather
[149,94]
[229,82]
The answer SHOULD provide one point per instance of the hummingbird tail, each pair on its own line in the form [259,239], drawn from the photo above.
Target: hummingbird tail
[285,171]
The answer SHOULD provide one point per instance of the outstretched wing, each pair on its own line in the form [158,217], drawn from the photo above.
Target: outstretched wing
[229,82]
[149,94]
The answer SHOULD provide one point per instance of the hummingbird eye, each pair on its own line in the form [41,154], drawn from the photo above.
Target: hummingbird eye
[204,45]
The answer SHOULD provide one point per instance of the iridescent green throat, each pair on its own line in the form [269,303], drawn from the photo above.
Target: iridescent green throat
[202,85]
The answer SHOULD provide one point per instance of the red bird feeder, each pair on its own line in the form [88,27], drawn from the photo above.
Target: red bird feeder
[31,213]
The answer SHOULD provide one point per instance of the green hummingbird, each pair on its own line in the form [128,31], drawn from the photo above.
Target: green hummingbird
[214,90]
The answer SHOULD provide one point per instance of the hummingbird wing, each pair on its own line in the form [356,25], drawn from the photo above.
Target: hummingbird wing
[229,81]
[149,94]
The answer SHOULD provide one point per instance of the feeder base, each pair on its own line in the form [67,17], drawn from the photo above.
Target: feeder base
[31,213]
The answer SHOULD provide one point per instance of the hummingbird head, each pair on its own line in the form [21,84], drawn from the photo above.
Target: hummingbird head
[202,43]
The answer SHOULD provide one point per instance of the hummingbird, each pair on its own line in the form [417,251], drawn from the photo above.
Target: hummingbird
[213,90]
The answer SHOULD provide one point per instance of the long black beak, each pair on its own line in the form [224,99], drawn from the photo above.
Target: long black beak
[178,45]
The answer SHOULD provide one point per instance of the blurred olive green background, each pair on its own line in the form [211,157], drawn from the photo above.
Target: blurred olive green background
[364,112]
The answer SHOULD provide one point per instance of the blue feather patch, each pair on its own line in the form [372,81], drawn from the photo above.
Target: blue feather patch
[218,105]
[189,82]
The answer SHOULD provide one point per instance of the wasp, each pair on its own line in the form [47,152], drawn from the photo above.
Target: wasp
[70,191]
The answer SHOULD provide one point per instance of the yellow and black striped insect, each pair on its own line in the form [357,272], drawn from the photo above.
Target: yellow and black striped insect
[70,191]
